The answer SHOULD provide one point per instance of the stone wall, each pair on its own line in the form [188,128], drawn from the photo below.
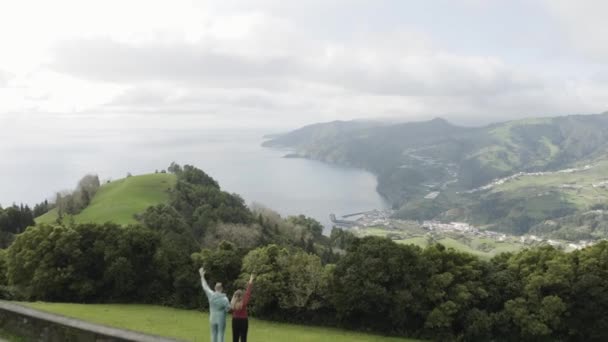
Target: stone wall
[34,325]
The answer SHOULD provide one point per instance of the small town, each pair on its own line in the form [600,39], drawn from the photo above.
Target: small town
[381,219]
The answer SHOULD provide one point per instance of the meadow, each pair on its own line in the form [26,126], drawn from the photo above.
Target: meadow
[192,325]
[120,200]
[480,246]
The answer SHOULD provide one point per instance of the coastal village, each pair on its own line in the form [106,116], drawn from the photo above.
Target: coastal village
[400,229]
[380,222]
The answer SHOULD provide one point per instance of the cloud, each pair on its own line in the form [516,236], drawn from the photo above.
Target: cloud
[111,61]
[239,106]
[367,80]
[311,61]
[4,78]
[402,74]
[365,68]
[584,23]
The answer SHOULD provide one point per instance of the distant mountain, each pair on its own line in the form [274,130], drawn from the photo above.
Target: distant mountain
[317,132]
[414,160]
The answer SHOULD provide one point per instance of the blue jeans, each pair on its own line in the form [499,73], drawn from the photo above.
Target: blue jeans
[217,331]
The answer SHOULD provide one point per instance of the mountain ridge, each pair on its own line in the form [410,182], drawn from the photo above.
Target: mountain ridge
[413,159]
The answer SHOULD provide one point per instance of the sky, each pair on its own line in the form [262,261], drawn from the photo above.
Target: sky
[283,64]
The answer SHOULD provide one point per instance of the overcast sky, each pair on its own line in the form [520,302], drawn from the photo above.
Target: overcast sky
[280,63]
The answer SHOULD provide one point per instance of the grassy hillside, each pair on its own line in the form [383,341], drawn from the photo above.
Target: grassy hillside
[9,337]
[479,246]
[534,200]
[193,325]
[120,200]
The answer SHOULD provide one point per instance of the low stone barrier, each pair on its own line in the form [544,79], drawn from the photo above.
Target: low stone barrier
[34,325]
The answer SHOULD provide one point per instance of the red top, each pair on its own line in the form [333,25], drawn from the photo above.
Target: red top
[242,313]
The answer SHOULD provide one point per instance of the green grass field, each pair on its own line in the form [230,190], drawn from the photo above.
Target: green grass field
[120,200]
[577,188]
[193,325]
[6,336]
[474,246]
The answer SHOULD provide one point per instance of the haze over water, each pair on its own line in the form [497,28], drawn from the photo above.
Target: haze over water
[45,161]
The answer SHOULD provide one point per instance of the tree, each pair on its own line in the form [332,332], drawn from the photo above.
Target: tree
[14,220]
[306,282]
[72,203]
[196,176]
[174,168]
[243,236]
[381,285]
[588,298]
[163,218]
[84,263]
[41,208]
[290,284]
[311,225]
[87,188]
[199,200]
[223,264]
[454,286]
[341,239]
[41,262]
[177,274]
[537,310]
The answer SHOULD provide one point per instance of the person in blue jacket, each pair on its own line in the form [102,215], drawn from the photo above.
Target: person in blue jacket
[219,306]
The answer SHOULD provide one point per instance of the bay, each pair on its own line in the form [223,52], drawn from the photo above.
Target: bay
[34,169]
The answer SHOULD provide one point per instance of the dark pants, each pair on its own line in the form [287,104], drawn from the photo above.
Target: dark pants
[239,329]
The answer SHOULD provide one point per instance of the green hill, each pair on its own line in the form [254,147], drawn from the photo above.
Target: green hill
[120,200]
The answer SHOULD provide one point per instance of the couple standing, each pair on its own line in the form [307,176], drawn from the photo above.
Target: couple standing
[219,306]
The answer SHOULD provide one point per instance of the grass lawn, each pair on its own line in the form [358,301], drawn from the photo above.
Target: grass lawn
[6,336]
[449,242]
[460,246]
[582,194]
[420,241]
[194,325]
[119,200]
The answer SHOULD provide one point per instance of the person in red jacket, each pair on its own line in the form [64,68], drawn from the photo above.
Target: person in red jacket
[240,323]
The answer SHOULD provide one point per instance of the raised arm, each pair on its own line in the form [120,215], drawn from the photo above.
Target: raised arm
[248,291]
[206,287]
